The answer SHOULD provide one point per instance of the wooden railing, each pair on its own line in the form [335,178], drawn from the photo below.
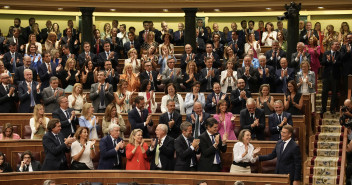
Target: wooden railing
[343,158]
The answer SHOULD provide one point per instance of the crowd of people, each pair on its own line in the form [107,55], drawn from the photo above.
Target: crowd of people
[213,67]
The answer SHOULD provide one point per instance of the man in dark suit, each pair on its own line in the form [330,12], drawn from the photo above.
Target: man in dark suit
[274,55]
[209,54]
[55,147]
[66,54]
[346,55]
[161,150]
[172,119]
[75,32]
[86,56]
[243,33]
[239,97]
[288,156]
[201,29]
[28,93]
[19,74]
[278,119]
[18,38]
[47,69]
[266,73]
[12,59]
[248,74]
[186,148]
[331,76]
[150,75]
[107,55]
[179,35]
[253,119]
[210,146]
[306,34]
[197,118]
[67,117]
[251,30]
[28,164]
[199,43]
[98,43]
[139,118]
[16,24]
[131,43]
[29,28]
[165,30]
[101,93]
[45,31]
[158,34]
[283,76]
[111,149]
[208,76]
[112,76]
[8,95]
[71,41]
[236,44]
[298,57]
[187,57]
[142,37]
[217,31]
[213,99]
[51,94]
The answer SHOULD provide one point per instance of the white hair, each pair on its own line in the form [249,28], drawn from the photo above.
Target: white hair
[113,126]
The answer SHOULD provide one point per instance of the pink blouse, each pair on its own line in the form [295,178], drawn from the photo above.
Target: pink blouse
[226,126]
[14,136]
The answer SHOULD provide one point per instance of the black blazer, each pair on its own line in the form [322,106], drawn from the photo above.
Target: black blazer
[74,48]
[137,122]
[346,58]
[237,103]
[245,120]
[175,131]
[35,166]
[200,45]
[331,68]
[201,60]
[19,75]
[8,104]
[279,82]
[108,154]
[268,79]
[202,125]
[82,59]
[184,154]
[207,152]
[240,47]
[44,75]
[127,47]
[305,40]
[166,154]
[204,81]
[65,124]
[95,46]
[54,152]
[272,61]
[179,41]
[209,102]
[7,61]
[102,58]
[274,122]
[25,98]
[288,162]
[144,76]
[252,80]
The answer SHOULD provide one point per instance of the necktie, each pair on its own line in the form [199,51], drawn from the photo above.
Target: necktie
[173,76]
[32,95]
[275,53]
[101,95]
[196,129]
[157,155]
[217,156]
[280,118]
[142,116]
[57,137]
[282,147]
[132,45]
[217,98]
[146,36]
[117,154]
[25,168]
[189,141]
[264,75]
[251,118]
[7,88]
[170,117]
[14,62]
[209,81]
[284,85]
[49,67]
[97,46]
[107,54]
[67,114]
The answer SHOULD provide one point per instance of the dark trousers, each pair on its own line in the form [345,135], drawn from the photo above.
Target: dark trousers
[329,84]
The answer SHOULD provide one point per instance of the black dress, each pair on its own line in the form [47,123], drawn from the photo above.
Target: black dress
[265,106]
[90,80]
[292,109]
[70,81]
[5,167]
[190,83]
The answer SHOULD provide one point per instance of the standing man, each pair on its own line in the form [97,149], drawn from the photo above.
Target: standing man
[278,119]
[55,147]
[86,56]
[171,119]
[112,148]
[187,57]
[208,76]
[249,74]
[300,56]
[179,35]
[47,69]
[274,55]
[101,93]
[28,92]
[151,75]
[214,98]
[107,55]
[19,74]
[288,156]
[139,117]
[51,95]
[186,148]
[12,59]
[283,75]
[197,118]
[171,74]
[67,117]
[161,150]
[45,31]
[306,34]
[266,73]
[210,146]
[239,97]
[8,95]
[253,119]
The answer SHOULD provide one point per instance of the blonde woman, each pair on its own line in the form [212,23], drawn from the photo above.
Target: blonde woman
[265,101]
[228,79]
[191,75]
[77,98]
[38,122]
[70,75]
[51,42]
[131,78]
[88,120]
[136,155]
[123,97]
[133,60]
[112,117]
[150,42]
[107,31]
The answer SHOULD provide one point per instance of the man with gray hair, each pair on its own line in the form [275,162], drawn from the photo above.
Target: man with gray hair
[28,92]
[274,55]
[266,73]
[300,56]
[161,150]
[101,93]
[8,95]
[19,73]
[112,148]
[51,94]
[278,119]
[172,119]
[253,119]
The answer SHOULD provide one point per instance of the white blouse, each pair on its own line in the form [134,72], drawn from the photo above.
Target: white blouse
[78,105]
[179,106]
[228,82]
[269,41]
[136,68]
[239,149]
[85,157]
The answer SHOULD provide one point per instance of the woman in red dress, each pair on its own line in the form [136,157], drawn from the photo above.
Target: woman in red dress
[136,155]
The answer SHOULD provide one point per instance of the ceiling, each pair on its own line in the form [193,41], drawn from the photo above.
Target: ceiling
[173,6]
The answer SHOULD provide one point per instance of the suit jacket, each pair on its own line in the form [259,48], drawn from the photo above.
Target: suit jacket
[238,103]
[141,37]
[346,60]
[19,75]
[222,37]
[75,33]
[207,152]
[95,97]
[288,161]
[274,122]
[245,120]
[175,131]
[44,34]
[102,58]
[127,47]
[204,81]
[210,107]
[44,74]
[268,79]
[279,82]
[54,152]
[184,154]
[137,122]
[166,79]
[95,46]
[331,68]
[251,80]
[166,155]
[8,104]
[240,47]
[66,125]
[25,98]
[82,59]
[116,47]
[35,166]
[49,100]
[74,48]
[184,60]
[201,60]
[7,61]
[303,37]
[200,45]
[311,79]
[108,154]
[179,41]
[21,41]
[202,123]
[144,76]
[66,57]
[275,62]
[296,64]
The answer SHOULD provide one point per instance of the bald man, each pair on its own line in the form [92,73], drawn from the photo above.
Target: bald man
[253,119]
[19,73]
[8,95]
[28,92]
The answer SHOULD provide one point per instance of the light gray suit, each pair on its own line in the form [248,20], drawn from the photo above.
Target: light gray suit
[311,79]
[94,96]
[177,79]
[49,100]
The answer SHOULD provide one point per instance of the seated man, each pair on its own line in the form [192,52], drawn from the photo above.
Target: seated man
[139,118]
[112,149]
[51,95]
[214,98]
[239,97]
[298,57]
[197,118]
[67,117]
[253,119]
[283,76]
[86,56]
[28,164]
[171,74]
[28,93]
[172,119]
[274,55]
[101,93]
[208,76]
[248,74]
[278,119]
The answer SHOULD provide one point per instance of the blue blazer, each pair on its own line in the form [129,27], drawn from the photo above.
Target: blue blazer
[209,102]
[179,41]
[108,154]
[279,83]
[25,98]
[54,152]
[274,122]
[44,75]
[137,122]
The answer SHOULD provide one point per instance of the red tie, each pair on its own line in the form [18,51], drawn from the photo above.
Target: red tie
[97,48]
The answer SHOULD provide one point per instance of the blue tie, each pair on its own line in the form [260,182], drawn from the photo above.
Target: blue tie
[32,96]
[264,75]
[282,147]
[101,95]
[217,156]
[14,63]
